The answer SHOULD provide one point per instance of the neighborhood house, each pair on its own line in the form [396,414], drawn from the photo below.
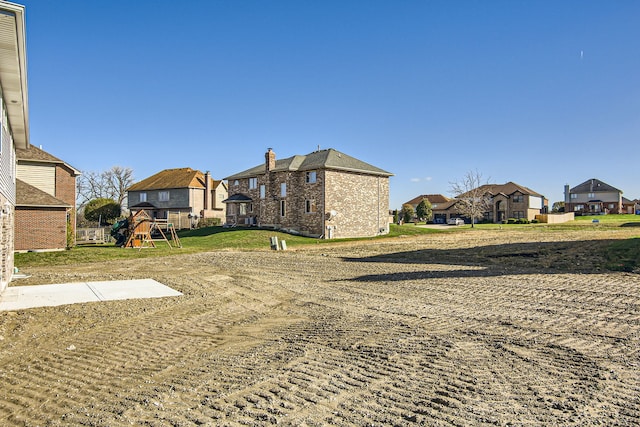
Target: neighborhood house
[508,200]
[182,196]
[325,194]
[45,201]
[595,197]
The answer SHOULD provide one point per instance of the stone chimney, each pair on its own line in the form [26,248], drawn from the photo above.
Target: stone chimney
[270,160]
[207,190]
[567,196]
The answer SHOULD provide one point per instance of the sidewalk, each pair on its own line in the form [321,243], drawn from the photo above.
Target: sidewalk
[21,297]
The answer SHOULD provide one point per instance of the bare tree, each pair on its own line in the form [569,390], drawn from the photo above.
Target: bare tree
[118,179]
[110,184]
[471,195]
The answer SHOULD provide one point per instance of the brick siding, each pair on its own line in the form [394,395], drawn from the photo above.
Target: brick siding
[6,245]
[362,203]
[43,228]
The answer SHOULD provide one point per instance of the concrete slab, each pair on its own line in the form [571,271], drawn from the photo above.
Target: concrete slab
[22,297]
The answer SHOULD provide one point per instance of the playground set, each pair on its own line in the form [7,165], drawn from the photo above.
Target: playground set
[141,231]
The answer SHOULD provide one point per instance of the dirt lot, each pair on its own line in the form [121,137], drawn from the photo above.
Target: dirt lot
[477,328]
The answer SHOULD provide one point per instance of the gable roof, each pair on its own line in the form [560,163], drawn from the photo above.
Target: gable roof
[321,159]
[432,198]
[507,189]
[174,178]
[594,185]
[34,154]
[30,196]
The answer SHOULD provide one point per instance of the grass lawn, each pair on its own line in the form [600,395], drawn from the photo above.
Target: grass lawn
[622,256]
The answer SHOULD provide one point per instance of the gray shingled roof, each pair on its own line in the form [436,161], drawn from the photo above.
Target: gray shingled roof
[322,159]
[28,195]
[594,186]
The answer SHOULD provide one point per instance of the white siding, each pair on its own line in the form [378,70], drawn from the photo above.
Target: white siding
[535,202]
[7,167]
[40,176]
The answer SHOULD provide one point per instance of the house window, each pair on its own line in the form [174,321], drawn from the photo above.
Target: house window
[591,195]
[518,214]
[253,183]
[311,177]
[611,206]
[518,198]
[163,196]
[310,206]
[283,189]
[574,196]
[143,197]
[263,191]
[578,208]
[236,183]
[283,207]
[243,209]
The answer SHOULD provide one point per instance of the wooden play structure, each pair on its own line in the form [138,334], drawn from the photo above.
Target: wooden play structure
[141,229]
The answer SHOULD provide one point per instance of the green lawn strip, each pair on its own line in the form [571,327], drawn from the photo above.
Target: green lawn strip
[623,255]
[198,240]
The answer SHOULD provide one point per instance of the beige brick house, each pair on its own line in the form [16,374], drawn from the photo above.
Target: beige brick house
[45,201]
[183,196]
[14,124]
[325,194]
[508,200]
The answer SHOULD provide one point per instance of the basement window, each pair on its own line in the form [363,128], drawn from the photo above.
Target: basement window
[310,206]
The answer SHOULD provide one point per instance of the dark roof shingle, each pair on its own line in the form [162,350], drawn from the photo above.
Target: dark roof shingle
[173,178]
[28,195]
[322,159]
[594,185]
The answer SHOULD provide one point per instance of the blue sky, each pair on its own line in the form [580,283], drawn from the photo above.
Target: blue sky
[542,93]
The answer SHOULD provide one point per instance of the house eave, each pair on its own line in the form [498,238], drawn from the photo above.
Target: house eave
[13,73]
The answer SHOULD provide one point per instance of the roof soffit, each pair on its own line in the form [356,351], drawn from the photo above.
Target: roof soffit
[13,71]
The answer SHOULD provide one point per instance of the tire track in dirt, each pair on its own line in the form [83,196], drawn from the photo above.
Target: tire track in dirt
[315,338]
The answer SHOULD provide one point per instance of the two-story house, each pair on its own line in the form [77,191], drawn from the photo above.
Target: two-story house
[325,194]
[593,197]
[14,124]
[183,196]
[45,201]
[508,200]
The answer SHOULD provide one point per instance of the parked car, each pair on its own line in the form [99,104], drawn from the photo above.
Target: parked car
[455,221]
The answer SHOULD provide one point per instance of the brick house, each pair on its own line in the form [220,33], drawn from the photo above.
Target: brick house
[595,197]
[183,196]
[14,124]
[325,194]
[438,201]
[45,201]
[508,200]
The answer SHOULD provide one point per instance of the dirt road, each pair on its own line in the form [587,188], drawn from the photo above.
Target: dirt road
[477,328]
